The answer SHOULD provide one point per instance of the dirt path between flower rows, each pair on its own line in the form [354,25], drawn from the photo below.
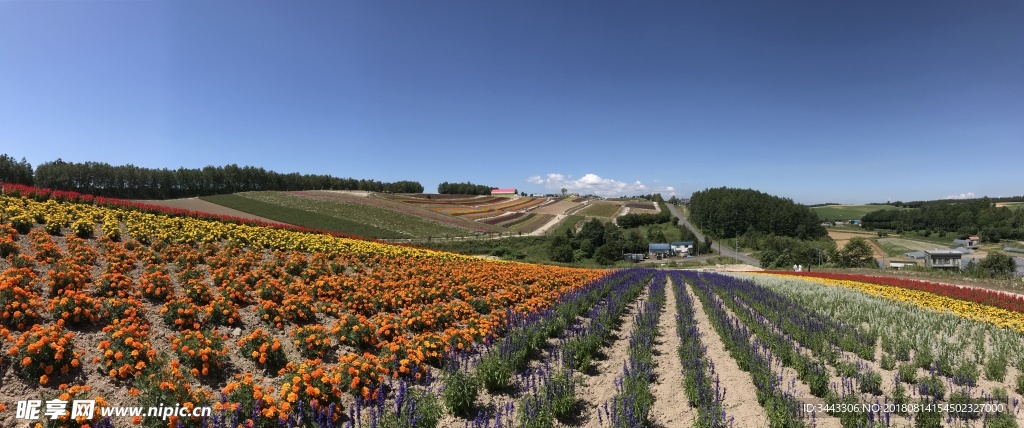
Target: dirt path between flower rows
[790,379]
[740,400]
[671,407]
[598,388]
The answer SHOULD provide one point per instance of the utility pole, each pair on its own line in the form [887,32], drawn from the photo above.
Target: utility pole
[736,254]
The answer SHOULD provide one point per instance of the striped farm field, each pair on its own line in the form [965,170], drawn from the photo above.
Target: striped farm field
[642,205]
[368,216]
[536,221]
[518,220]
[503,218]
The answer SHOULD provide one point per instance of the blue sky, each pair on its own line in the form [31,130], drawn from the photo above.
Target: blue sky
[818,101]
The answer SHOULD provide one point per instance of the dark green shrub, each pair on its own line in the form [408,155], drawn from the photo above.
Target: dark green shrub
[495,372]
[460,391]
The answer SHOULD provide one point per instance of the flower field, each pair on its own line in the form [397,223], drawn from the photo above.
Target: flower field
[275,327]
[152,308]
[996,307]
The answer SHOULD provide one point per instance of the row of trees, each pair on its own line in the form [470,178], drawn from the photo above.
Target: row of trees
[466,188]
[602,241]
[962,218]
[605,242]
[12,171]
[134,182]
[782,252]
[994,265]
[728,213]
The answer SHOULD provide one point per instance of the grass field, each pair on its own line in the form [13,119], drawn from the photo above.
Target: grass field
[334,215]
[1014,205]
[849,212]
[606,210]
[567,222]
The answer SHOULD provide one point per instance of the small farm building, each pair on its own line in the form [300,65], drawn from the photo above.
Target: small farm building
[681,247]
[633,257]
[503,192]
[969,242]
[901,263]
[943,259]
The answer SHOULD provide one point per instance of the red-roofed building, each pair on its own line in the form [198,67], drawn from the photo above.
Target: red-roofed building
[503,192]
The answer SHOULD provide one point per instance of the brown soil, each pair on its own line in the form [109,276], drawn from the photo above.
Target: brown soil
[196,204]
[740,398]
[598,388]
[671,407]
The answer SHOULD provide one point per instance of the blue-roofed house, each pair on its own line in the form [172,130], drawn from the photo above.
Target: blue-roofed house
[663,249]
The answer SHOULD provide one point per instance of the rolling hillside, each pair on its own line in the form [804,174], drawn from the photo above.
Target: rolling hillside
[369,215]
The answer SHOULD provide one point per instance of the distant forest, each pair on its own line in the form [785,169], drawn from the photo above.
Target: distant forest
[919,204]
[466,188]
[962,218]
[728,213]
[133,182]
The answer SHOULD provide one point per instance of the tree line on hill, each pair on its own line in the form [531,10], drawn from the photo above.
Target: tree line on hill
[728,213]
[961,218]
[919,204]
[466,188]
[783,232]
[134,182]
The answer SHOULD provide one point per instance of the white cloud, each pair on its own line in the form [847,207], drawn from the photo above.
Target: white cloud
[592,184]
[968,195]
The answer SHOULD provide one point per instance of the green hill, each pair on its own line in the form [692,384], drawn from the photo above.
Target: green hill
[369,216]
